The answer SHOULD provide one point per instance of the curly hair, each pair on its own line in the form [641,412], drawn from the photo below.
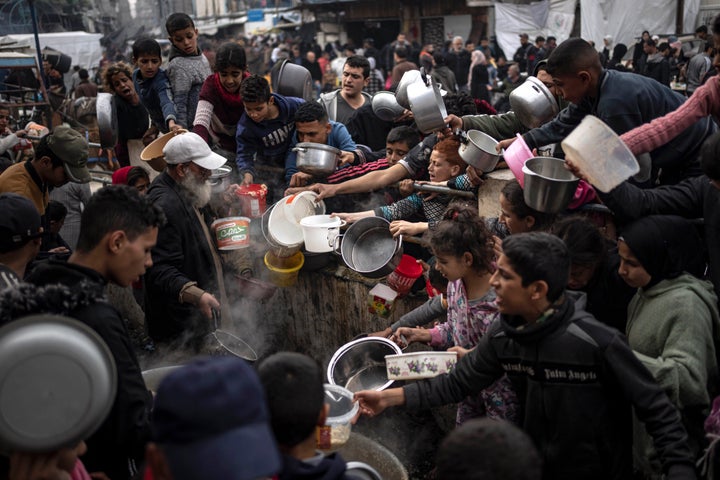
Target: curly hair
[255,89]
[311,112]
[112,70]
[449,148]
[463,230]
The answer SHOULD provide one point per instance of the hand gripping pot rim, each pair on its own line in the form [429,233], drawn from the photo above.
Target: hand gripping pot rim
[231,233]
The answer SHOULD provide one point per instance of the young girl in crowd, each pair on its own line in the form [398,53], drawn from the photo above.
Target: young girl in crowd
[445,164]
[133,119]
[221,105]
[673,323]
[464,255]
[594,270]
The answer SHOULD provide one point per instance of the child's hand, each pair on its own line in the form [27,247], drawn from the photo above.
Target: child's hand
[382,333]
[402,227]
[404,336]
[300,179]
[346,158]
[174,127]
[461,352]
[405,187]
[247,179]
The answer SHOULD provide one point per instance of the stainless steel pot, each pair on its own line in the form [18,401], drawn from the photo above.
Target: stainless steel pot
[549,186]
[58,382]
[360,448]
[533,103]
[316,158]
[408,78]
[478,149]
[220,179]
[294,80]
[427,107]
[386,106]
[360,364]
[107,120]
[369,248]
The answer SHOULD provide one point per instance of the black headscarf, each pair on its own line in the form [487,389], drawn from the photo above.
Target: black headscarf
[666,246]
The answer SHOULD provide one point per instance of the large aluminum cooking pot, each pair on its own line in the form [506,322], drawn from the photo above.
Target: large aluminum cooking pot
[386,107]
[369,248]
[316,158]
[360,364]
[410,77]
[360,448]
[427,106]
[549,186]
[478,149]
[107,120]
[57,383]
[293,80]
[533,103]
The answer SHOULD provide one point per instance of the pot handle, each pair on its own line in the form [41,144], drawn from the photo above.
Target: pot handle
[333,233]
[299,149]
[336,244]
[461,135]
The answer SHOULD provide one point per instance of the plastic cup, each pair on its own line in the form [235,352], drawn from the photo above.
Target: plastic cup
[336,431]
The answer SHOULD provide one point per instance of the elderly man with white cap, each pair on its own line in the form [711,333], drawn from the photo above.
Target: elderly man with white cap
[185,285]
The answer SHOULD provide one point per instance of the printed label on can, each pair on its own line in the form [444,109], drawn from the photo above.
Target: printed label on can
[232,234]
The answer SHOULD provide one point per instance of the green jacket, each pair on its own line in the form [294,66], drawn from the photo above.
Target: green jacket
[673,328]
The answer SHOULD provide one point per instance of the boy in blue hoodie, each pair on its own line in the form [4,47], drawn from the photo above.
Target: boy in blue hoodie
[153,86]
[264,132]
[187,68]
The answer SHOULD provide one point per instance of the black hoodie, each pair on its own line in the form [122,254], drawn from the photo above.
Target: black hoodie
[78,293]
[577,380]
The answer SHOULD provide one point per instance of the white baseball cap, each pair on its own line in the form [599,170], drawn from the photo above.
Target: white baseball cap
[190,147]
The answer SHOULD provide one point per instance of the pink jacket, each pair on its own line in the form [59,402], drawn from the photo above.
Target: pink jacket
[705,101]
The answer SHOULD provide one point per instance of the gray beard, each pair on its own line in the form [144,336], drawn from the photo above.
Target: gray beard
[197,190]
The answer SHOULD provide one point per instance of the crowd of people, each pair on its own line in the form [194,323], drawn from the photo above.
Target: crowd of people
[587,341]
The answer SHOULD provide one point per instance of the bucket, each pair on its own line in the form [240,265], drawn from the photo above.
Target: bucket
[598,151]
[515,156]
[320,231]
[252,198]
[284,271]
[231,233]
[404,276]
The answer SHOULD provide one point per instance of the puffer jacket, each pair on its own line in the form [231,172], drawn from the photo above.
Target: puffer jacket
[576,380]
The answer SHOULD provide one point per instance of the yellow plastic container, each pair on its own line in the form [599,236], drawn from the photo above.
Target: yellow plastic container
[284,270]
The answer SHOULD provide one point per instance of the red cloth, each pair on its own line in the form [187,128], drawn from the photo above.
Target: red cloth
[119,176]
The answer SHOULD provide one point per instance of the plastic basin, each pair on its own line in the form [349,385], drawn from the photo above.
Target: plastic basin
[600,154]
[515,156]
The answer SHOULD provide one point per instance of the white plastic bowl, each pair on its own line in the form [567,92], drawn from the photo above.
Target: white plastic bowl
[320,231]
[600,154]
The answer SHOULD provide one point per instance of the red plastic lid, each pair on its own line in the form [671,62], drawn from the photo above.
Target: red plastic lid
[409,267]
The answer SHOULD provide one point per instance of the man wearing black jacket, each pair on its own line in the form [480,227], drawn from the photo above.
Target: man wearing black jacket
[118,229]
[185,283]
[577,379]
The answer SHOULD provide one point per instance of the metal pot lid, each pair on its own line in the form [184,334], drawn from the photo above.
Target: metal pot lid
[319,146]
[221,172]
[57,383]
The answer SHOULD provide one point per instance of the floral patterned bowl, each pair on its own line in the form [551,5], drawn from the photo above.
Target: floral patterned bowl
[416,365]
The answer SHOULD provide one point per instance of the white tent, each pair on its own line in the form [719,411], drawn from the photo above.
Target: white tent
[84,48]
[622,19]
